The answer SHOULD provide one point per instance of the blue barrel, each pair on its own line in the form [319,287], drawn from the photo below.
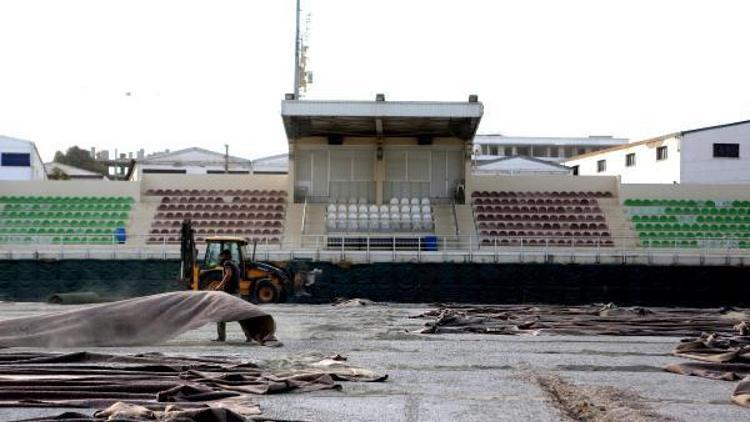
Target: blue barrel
[120,236]
[430,243]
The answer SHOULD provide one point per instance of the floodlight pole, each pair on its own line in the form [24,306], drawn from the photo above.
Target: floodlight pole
[296,54]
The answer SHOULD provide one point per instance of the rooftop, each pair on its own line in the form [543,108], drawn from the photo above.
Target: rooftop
[496,139]
[381,118]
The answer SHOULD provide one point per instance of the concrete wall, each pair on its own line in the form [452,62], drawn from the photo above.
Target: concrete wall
[215,181]
[72,188]
[417,283]
[543,183]
[646,169]
[699,164]
[681,191]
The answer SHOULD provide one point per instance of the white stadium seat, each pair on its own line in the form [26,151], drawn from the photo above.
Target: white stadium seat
[394,201]
[426,209]
[393,209]
[383,208]
[373,208]
[331,208]
[425,201]
[363,208]
[414,201]
[352,208]
[404,201]
[405,209]
[342,208]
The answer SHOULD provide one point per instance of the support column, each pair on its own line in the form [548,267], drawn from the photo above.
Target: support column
[379,179]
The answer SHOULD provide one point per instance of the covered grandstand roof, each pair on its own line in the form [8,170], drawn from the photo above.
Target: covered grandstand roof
[190,155]
[496,139]
[381,118]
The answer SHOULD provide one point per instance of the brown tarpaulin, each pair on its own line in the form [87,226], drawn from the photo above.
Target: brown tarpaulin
[157,383]
[136,322]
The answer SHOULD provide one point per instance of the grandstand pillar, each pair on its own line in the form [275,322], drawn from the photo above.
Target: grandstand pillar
[290,174]
[379,179]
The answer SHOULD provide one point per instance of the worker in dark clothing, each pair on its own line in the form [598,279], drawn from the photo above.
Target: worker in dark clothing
[230,283]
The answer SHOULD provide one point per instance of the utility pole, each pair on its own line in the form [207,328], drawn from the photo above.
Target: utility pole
[297,41]
[226,158]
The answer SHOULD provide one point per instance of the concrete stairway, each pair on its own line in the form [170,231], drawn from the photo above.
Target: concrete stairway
[618,222]
[292,225]
[445,223]
[466,226]
[139,226]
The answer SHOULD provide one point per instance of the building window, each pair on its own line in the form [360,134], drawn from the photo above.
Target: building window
[727,150]
[164,171]
[16,159]
[493,150]
[601,166]
[554,152]
[630,160]
[661,153]
[580,150]
[575,170]
[508,151]
[229,172]
[523,151]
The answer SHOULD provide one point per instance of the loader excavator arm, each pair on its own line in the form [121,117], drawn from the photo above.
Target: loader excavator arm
[188,254]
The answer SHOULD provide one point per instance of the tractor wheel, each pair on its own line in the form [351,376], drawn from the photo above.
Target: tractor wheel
[265,292]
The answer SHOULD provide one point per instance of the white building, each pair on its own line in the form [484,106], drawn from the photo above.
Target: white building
[709,155]
[557,149]
[20,160]
[273,164]
[190,161]
[73,173]
[519,165]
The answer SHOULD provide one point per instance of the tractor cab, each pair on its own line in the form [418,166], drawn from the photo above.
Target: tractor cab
[260,282]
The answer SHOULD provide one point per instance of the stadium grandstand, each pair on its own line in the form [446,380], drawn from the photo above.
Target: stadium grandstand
[381,181]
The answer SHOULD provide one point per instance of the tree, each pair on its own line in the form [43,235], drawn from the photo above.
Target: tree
[80,158]
[58,174]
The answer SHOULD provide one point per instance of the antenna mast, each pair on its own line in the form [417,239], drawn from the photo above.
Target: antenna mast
[297,41]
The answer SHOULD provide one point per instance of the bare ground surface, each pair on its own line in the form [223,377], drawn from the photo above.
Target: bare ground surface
[457,377]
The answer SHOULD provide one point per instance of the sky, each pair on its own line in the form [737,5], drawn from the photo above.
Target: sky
[164,74]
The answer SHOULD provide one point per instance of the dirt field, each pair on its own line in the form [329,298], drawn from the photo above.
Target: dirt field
[458,377]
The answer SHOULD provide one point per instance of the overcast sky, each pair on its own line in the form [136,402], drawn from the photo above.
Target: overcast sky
[174,74]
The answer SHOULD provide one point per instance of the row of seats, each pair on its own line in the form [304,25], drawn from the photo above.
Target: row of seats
[220,200]
[55,230]
[249,216]
[541,226]
[698,219]
[548,242]
[379,209]
[261,239]
[222,223]
[216,192]
[59,240]
[538,194]
[580,209]
[534,201]
[690,203]
[209,207]
[222,231]
[55,215]
[62,223]
[680,222]
[46,199]
[256,212]
[544,217]
[66,207]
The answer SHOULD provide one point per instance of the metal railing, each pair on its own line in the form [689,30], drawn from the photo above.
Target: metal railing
[411,247]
